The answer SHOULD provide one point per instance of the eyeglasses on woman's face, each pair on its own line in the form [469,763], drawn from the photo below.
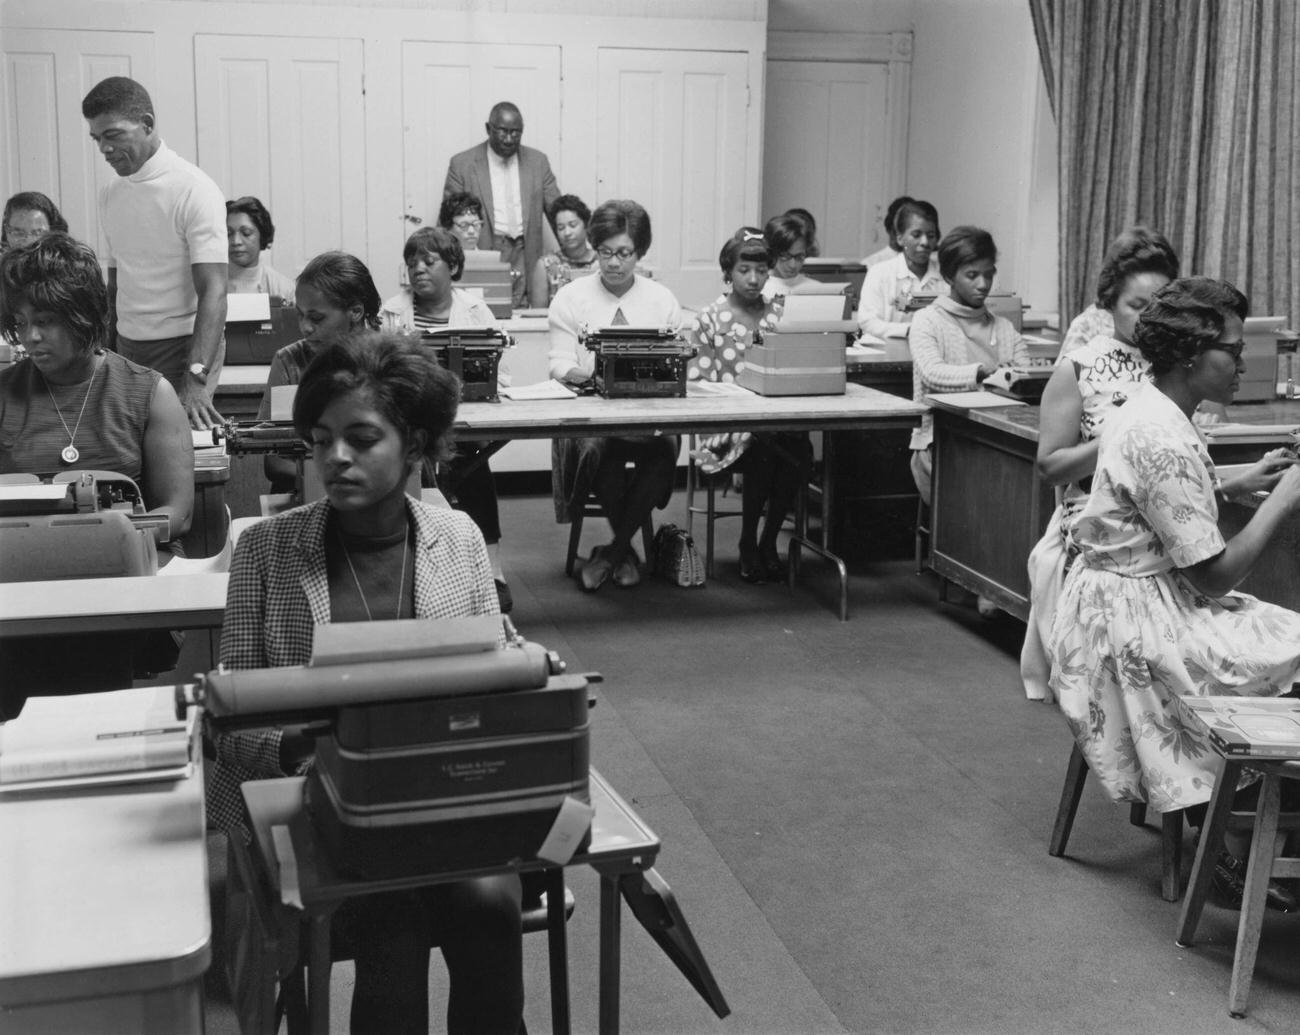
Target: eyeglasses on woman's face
[621,254]
[1235,349]
[466,224]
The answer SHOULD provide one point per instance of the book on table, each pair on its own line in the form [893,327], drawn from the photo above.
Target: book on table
[1247,727]
[85,739]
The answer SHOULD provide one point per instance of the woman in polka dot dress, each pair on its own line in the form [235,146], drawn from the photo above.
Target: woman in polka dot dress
[772,463]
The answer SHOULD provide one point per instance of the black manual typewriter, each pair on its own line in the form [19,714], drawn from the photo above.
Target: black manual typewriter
[474,355]
[633,362]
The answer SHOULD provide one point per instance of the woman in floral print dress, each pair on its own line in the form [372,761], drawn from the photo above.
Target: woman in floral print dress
[772,464]
[1147,611]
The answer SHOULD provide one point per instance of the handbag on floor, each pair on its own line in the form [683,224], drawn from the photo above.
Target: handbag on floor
[675,558]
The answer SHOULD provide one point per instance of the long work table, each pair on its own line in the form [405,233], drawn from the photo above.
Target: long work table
[990,506]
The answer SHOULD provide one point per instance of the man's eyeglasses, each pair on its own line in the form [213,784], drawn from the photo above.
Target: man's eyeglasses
[621,254]
[1232,348]
[502,131]
[16,236]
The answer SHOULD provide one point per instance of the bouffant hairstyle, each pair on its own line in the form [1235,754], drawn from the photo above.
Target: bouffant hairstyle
[257,212]
[963,245]
[458,204]
[620,217]
[345,281]
[1138,249]
[60,275]
[748,244]
[906,210]
[567,203]
[783,232]
[118,95]
[890,222]
[436,240]
[810,230]
[1184,318]
[32,201]
[402,379]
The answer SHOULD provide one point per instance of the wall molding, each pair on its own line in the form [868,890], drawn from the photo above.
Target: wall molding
[868,47]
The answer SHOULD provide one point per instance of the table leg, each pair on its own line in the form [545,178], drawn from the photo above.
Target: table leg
[611,918]
[318,974]
[800,538]
[1216,822]
[1258,871]
[557,951]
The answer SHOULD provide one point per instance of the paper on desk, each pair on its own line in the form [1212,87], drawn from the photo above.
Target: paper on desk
[1034,339]
[860,351]
[551,389]
[1231,430]
[974,400]
[715,388]
[570,826]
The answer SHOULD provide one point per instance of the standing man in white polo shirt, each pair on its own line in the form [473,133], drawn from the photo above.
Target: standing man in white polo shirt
[165,221]
[515,184]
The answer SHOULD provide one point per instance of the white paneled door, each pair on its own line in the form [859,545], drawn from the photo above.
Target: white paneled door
[826,148]
[448,90]
[44,145]
[284,120]
[673,136]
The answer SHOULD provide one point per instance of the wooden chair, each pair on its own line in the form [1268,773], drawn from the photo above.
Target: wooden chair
[710,511]
[1266,821]
[591,508]
[1171,827]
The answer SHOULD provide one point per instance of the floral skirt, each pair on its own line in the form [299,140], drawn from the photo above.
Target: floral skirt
[1122,648]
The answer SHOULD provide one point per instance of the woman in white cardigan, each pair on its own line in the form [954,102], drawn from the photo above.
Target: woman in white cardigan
[618,296]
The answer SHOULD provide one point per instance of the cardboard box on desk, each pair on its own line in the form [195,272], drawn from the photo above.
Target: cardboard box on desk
[795,359]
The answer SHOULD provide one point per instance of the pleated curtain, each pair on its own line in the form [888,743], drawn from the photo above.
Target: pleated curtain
[1182,115]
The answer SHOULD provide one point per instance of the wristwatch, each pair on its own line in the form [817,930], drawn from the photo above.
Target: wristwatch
[200,371]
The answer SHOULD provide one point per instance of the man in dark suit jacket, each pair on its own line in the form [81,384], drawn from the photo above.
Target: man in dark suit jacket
[515,215]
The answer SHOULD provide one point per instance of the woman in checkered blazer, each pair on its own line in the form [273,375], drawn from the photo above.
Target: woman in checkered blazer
[372,407]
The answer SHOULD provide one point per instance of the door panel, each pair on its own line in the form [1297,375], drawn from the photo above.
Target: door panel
[284,120]
[678,148]
[43,138]
[826,149]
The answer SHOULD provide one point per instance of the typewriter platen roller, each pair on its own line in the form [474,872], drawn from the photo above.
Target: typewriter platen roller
[639,361]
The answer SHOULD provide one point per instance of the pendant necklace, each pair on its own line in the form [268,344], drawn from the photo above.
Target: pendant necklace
[401,582]
[70,453]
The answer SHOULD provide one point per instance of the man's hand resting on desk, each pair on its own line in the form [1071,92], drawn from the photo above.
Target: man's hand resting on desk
[1261,476]
[198,405]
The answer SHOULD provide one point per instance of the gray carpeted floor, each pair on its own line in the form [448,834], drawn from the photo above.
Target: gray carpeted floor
[855,820]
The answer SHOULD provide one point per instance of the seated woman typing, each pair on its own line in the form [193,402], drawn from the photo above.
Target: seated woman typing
[788,241]
[74,405]
[1085,387]
[1147,611]
[249,232]
[889,289]
[575,257]
[434,260]
[335,297]
[620,233]
[772,464]
[956,342]
[373,407]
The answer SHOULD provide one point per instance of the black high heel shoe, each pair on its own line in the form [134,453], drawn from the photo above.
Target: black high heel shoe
[773,567]
[751,566]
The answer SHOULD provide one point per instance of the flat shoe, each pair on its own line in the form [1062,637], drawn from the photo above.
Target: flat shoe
[596,571]
[627,573]
[1228,886]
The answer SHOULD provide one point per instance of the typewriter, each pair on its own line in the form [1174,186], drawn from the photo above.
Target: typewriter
[1024,384]
[78,525]
[440,745]
[473,354]
[637,362]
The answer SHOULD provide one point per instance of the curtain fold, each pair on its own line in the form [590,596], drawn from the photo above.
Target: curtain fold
[1184,115]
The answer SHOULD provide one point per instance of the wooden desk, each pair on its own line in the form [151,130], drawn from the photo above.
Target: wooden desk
[860,408]
[622,848]
[104,909]
[112,605]
[991,507]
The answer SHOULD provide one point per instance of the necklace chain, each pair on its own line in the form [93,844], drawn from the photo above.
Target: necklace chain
[72,433]
[401,581]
